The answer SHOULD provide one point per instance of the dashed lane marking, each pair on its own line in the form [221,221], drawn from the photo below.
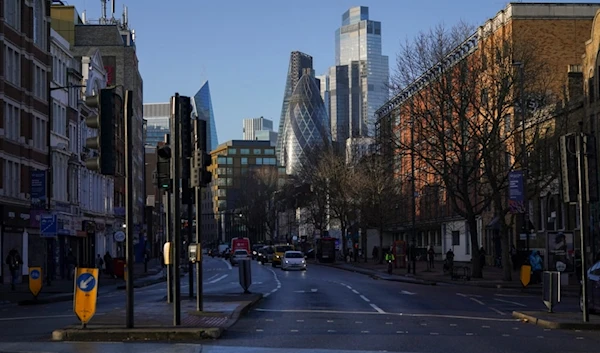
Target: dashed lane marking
[365,298]
[477,301]
[378,309]
[293,330]
[331,331]
[496,310]
[259,330]
[355,291]
[434,333]
[510,302]
[469,334]
[299,320]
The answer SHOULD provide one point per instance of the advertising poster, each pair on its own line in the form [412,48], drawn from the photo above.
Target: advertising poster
[561,250]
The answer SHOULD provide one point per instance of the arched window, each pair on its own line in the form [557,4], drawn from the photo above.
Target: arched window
[38,22]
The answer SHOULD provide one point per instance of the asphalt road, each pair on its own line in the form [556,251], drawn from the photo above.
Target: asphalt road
[36,322]
[327,310]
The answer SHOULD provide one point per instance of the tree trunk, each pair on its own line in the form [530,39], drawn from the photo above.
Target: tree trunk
[506,265]
[343,229]
[476,271]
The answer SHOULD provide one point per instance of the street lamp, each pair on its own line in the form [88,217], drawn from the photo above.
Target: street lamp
[525,225]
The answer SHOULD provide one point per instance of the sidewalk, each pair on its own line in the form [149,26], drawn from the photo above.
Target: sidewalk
[62,289]
[492,276]
[558,320]
[154,321]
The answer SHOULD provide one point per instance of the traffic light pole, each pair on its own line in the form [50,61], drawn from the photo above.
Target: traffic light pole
[190,212]
[176,172]
[129,202]
[169,237]
[199,143]
[582,223]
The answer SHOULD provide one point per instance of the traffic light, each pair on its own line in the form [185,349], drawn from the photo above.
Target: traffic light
[104,122]
[205,175]
[163,167]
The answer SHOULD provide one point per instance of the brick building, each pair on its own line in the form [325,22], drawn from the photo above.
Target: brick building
[24,89]
[557,34]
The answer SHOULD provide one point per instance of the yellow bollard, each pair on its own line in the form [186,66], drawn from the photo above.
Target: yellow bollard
[525,275]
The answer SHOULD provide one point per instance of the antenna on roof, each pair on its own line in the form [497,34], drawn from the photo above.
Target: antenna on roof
[103,17]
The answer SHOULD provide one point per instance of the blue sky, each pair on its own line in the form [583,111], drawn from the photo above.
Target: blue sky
[242,47]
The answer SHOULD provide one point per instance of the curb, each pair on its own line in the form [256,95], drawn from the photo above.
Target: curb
[381,277]
[242,310]
[136,334]
[555,324]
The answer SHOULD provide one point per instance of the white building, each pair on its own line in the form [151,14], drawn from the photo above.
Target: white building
[254,125]
[79,195]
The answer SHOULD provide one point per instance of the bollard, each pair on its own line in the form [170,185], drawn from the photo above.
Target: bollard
[245,275]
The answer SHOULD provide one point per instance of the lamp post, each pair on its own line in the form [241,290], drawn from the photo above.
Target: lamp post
[525,225]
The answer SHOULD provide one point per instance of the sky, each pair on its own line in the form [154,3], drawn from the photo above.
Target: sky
[242,47]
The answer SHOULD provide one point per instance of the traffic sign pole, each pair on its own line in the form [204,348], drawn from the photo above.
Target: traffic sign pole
[129,202]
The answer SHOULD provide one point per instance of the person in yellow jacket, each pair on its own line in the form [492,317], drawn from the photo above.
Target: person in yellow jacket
[389,258]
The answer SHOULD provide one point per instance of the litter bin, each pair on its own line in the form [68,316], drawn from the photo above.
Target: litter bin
[119,267]
[551,289]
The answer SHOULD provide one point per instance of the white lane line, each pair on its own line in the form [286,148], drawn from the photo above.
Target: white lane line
[477,301]
[458,317]
[211,277]
[355,291]
[277,281]
[469,295]
[293,330]
[40,317]
[378,309]
[365,298]
[216,279]
[259,330]
[407,292]
[330,331]
[510,302]
[496,310]
[227,263]
[512,295]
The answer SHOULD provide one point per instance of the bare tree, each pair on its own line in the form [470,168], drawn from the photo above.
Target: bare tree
[459,119]
[255,201]
[379,195]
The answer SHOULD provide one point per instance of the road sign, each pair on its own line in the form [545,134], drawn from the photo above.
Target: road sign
[86,293]
[35,280]
[48,225]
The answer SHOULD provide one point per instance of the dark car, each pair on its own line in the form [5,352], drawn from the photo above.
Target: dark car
[265,254]
[255,249]
[593,288]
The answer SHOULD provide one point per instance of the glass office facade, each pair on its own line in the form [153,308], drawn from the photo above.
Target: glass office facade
[205,112]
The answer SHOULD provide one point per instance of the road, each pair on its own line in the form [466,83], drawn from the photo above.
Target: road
[333,311]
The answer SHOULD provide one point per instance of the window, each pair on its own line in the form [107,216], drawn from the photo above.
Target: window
[12,65]
[232,151]
[259,161]
[59,67]
[60,176]
[12,13]
[269,151]
[38,23]
[12,178]
[12,121]
[257,151]
[455,238]
[245,151]
[59,119]
[73,138]
[40,82]
[40,135]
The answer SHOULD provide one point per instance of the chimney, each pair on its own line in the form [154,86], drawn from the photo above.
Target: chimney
[574,82]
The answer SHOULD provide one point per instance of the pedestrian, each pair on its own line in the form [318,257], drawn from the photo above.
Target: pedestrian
[13,260]
[99,263]
[431,257]
[71,264]
[108,264]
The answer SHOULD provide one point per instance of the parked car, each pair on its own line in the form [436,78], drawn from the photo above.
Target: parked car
[293,260]
[593,286]
[238,255]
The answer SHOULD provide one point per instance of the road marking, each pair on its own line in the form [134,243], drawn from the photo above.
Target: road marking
[378,309]
[458,317]
[434,333]
[314,290]
[213,276]
[477,301]
[505,335]
[453,325]
[268,319]
[407,292]
[399,331]
[496,310]
[293,330]
[216,279]
[579,338]
[515,328]
[389,323]
[469,334]
[512,295]
[330,331]
[469,295]
[259,330]
[227,263]
[329,320]
[510,302]
[364,331]
[39,317]
[355,291]
[299,320]
[276,281]
[485,326]
[364,298]
[358,322]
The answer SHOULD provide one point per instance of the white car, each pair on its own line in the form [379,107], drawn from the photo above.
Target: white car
[293,260]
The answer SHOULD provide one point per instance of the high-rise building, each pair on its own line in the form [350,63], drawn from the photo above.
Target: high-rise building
[157,122]
[306,124]
[298,63]
[254,125]
[204,109]
[358,83]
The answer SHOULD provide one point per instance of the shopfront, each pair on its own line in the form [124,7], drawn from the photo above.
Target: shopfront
[15,220]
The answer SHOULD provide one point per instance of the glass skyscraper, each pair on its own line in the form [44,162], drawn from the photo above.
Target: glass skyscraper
[205,112]
[306,124]
[366,75]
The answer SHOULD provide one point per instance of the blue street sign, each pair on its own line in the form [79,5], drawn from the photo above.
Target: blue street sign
[86,282]
[35,274]
[48,225]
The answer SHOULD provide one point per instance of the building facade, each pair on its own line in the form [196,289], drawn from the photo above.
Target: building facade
[253,125]
[157,122]
[231,163]
[24,152]
[204,110]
